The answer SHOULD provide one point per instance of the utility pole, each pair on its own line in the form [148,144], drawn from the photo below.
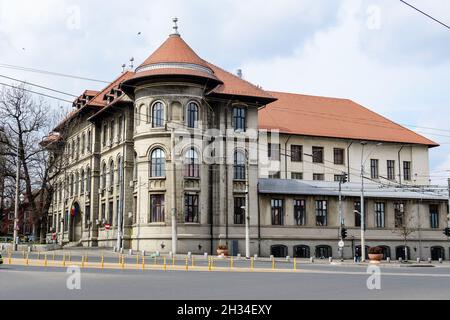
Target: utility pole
[174,200]
[16,207]
[448,216]
[120,216]
[247,216]
[363,220]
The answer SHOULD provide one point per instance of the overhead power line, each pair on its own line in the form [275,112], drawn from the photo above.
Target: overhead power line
[8,66]
[425,14]
[39,86]
[38,93]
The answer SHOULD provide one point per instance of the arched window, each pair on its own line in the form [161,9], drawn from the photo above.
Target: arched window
[135,167]
[83,143]
[111,175]
[88,180]
[302,252]
[358,251]
[158,115]
[279,251]
[239,166]
[77,181]
[437,253]
[192,168]
[386,252]
[192,115]
[82,181]
[403,252]
[104,170]
[72,186]
[158,164]
[324,252]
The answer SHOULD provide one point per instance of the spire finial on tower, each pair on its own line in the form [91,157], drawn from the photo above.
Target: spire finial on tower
[175,26]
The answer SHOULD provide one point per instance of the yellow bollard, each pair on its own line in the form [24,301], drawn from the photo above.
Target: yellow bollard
[252,263]
[103,261]
[82,261]
[165,264]
[209,264]
[193,261]
[39,255]
[70,256]
[212,263]
[187,264]
[231,263]
[295,264]
[9,258]
[45,260]
[273,264]
[64,260]
[123,262]
[143,263]
[86,258]
[137,260]
[23,254]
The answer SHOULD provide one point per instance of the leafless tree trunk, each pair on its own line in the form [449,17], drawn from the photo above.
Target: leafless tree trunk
[26,122]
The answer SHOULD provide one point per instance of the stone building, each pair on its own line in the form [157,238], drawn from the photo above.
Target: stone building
[169,156]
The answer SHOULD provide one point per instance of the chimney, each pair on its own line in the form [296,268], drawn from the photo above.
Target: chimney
[239,73]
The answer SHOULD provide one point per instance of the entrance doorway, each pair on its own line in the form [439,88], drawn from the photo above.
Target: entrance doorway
[76,223]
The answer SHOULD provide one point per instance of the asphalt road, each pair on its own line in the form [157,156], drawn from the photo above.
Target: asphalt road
[313,282]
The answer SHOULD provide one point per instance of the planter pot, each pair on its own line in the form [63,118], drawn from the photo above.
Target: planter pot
[222,252]
[375,258]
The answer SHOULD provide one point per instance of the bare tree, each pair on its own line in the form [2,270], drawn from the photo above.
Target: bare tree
[26,123]
[405,229]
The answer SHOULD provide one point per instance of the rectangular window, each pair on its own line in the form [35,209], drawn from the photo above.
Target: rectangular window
[277,212]
[191,213]
[87,212]
[239,210]
[339,156]
[120,131]
[111,132]
[407,170]
[103,211]
[318,177]
[399,214]
[374,169]
[274,152]
[391,169]
[380,212]
[275,175]
[66,221]
[135,207]
[317,153]
[357,212]
[300,212]
[296,153]
[434,216]
[297,176]
[321,213]
[109,219]
[105,134]
[89,141]
[157,208]
[239,119]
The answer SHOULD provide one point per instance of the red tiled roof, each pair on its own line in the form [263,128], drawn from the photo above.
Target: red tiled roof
[175,49]
[98,100]
[233,85]
[334,118]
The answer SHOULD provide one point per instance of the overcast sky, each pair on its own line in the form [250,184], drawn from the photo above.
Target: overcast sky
[380,53]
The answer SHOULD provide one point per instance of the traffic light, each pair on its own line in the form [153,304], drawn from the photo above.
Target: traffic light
[344,178]
[344,234]
[447,232]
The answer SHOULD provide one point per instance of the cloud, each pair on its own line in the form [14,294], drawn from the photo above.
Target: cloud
[381,53]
